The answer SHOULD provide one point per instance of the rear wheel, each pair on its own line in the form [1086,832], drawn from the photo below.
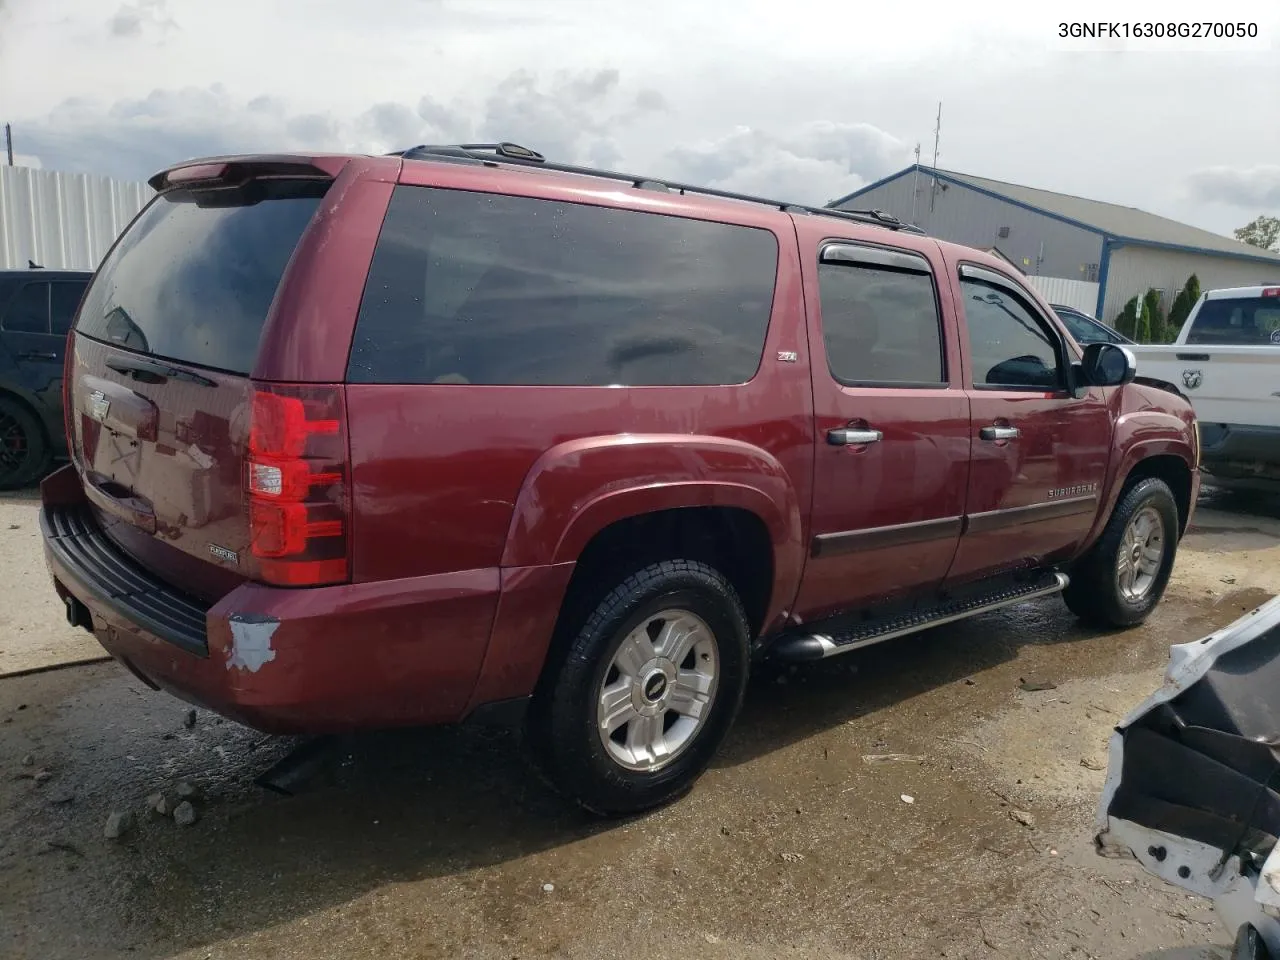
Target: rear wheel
[635,707]
[1120,581]
[24,451]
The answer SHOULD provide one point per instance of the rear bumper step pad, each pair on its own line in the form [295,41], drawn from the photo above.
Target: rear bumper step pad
[98,567]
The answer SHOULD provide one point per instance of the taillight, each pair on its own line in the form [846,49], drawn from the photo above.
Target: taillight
[1271,292]
[296,478]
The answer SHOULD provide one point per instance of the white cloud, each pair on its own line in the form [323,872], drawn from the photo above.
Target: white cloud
[1249,188]
[809,163]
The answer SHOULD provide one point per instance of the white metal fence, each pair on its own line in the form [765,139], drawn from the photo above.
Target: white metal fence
[65,220]
[1068,293]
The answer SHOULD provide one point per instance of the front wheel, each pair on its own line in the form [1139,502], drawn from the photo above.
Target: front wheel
[632,712]
[1122,578]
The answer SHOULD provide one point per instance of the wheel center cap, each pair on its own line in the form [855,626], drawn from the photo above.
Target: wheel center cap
[1136,554]
[655,687]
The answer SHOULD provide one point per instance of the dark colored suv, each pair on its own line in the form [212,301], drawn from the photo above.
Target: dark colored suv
[367,441]
[36,310]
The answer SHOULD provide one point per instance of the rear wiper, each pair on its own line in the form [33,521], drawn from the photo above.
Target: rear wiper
[149,371]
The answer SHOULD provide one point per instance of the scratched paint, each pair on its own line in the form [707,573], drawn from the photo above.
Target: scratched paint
[251,641]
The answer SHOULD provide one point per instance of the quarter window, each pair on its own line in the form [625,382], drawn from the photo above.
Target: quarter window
[1009,345]
[489,289]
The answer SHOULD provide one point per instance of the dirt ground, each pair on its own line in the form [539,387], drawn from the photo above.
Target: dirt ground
[33,629]
[440,843]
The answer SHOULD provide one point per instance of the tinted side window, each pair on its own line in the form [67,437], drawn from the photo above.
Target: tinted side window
[880,325]
[29,311]
[1009,346]
[489,289]
[64,297]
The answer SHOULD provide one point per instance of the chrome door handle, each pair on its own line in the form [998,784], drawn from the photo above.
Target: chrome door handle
[850,436]
[998,433]
[38,356]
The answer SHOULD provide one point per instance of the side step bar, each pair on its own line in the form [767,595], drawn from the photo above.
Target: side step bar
[819,645]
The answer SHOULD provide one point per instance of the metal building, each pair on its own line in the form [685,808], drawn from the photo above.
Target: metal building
[63,220]
[1067,244]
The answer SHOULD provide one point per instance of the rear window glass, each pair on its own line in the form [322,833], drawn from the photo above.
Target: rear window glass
[488,289]
[1242,321]
[193,278]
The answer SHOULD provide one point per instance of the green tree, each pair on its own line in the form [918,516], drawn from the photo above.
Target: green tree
[1151,305]
[1127,319]
[1182,304]
[1261,232]
[1142,332]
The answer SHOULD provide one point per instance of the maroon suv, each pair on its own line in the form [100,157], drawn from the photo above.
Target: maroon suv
[366,441]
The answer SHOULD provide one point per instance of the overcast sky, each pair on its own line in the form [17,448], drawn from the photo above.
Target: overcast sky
[805,99]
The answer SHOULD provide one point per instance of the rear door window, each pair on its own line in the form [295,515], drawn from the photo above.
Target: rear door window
[28,312]
[880,320]
[64,297]
[193,279]
[1240,321]
[489,289]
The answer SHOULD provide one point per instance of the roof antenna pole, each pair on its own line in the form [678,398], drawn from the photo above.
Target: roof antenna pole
[915,184]
[937,136]
[8,142]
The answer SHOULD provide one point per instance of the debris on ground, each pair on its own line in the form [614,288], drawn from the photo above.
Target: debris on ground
[1090,764]
[1035,686]
[548,888]
[907,798]
[791,857]
[29,760]
[184,814]
[118,824]
[160,804]
[188,791]
[1022,817]
[43,777]
[1227,579]
[892,757]
[711,938]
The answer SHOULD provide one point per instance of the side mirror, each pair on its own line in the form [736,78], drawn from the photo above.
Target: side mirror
[1108,365]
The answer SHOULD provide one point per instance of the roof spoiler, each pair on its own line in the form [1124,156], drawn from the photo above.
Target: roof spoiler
[236,170]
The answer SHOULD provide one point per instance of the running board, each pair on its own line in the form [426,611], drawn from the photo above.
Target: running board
[819,645]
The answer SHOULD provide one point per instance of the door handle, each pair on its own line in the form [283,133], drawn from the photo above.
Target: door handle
[851,436]
[998,433]
[38,356]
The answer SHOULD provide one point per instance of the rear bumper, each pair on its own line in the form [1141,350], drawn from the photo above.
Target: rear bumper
[1234,449]
[330,659]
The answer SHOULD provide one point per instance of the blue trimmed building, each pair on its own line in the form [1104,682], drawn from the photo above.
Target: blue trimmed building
[1124,251]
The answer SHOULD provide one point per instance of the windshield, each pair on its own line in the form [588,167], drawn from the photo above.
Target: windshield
[1238,321]
[1085,330]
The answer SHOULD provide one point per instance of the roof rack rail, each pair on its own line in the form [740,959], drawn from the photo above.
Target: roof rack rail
[493,154]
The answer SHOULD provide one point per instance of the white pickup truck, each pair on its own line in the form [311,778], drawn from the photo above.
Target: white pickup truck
[1227,361]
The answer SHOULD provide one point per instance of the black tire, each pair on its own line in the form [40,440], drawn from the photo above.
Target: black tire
[562,725]
[1094,594]
[25,455]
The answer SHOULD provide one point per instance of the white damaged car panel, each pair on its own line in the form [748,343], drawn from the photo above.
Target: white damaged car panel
[1193,778]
